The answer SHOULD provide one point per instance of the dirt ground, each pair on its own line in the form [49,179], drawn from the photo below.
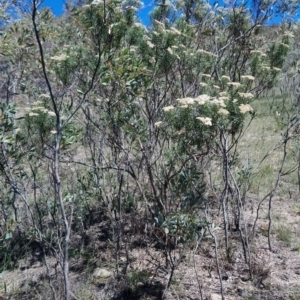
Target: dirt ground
[276,274]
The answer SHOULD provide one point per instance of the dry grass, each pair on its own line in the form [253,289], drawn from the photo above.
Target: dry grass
[276,274]
[258,143]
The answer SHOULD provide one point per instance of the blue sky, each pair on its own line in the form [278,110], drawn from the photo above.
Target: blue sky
[58,5]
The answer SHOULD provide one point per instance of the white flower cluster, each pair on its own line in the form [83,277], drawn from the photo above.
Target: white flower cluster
[205,120]
[223,111]
[206,52]
[246,95]
[37,108]
[151,45]
[219,101]
[284,45]
[159,24]
[248,77]
[244,108]
[61,57]
[234,84]
[276,69]
[45,96]
[96,2]
[289,34]
[168,108]
[258,52]
[170,50]
[202,99]
[158,124]
[186,101]
[225,77]
[175,31]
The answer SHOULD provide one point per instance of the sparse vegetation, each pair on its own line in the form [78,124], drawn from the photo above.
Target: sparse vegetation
[148,163]
[284,234]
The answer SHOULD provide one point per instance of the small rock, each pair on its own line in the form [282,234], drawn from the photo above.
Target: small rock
[245,278]
[140,284]
[225,277]
[215,297]
[102,273]
[241,292]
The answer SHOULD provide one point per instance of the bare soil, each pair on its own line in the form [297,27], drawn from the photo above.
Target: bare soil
[276,274]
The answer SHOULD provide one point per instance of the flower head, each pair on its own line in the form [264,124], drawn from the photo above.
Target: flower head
[45,96]
[170,50]
[276,69]
[61,57]
[206,75]
[248,77]
[176,31]
[186,101]
[32,114]
[246,95]
[180,132]
[235,84]
[219,102]
[206,52]
[258,52]
[151,45]
[226,77]
[289,34]
[38,108]
[168,108]
[152,60]
[223,111]
[205,120]
[38,102]
[202,99]
[132,49]
[245,108]
[160,24]
[284,45]
[138,24]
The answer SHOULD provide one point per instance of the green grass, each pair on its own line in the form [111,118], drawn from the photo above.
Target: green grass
[258,143]
[284,234]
